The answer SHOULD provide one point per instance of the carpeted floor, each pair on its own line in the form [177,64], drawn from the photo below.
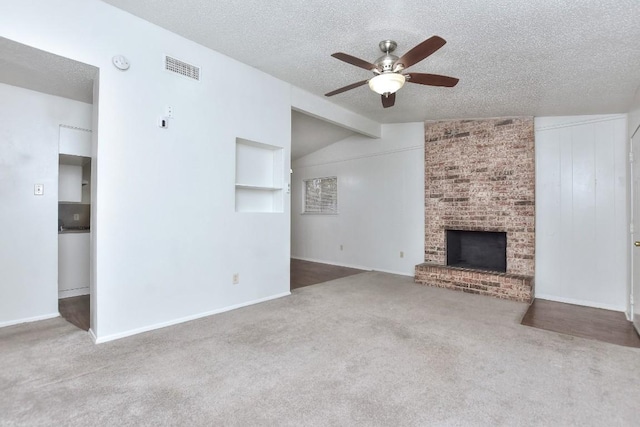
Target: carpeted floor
[370,349]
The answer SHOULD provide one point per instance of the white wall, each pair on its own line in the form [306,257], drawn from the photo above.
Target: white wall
[581,210]
[167,239]
[380,202]
[322,108]
[29,124]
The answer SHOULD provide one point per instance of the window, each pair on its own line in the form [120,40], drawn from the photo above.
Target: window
[321,195]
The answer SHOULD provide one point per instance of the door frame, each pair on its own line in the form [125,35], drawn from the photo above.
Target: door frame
[632,212]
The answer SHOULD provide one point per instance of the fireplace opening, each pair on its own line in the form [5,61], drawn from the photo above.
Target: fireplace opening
[480,250]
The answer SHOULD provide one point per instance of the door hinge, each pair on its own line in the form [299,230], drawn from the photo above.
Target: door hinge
[630,156]
[631,228]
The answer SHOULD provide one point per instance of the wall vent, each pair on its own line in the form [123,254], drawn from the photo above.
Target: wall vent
[179,67]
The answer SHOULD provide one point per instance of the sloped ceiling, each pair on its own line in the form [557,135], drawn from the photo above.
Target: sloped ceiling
[309,134]
[34,69]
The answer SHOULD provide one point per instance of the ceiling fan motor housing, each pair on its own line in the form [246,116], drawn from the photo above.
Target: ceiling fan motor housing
[386,61]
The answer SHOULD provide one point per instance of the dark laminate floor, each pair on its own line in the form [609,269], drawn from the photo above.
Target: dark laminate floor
[305,273]
[75,310]
[585,322]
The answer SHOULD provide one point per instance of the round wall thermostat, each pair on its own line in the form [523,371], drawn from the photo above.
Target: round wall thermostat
[120,62]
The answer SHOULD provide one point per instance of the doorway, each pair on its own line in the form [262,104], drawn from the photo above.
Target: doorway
[40,92]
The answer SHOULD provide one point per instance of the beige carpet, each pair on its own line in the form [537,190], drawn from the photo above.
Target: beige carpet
[369,349]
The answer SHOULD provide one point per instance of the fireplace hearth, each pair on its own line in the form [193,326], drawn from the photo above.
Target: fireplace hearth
[479,250]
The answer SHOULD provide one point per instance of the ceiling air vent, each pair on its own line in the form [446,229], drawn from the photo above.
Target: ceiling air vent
[182,68]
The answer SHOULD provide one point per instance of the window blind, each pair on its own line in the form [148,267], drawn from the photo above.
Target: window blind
[321,195]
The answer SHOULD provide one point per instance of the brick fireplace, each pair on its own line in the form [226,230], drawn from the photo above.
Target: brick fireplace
[479,176]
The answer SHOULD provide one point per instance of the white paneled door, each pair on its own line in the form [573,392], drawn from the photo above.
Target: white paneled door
[635,167]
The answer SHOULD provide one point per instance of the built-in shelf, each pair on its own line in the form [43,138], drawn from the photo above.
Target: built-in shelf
[259,177]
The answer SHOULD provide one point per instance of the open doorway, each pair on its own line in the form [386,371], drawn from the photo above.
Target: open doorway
[74,226]
[308,135]
[48,148]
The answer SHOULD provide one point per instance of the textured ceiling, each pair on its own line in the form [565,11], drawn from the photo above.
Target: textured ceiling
[42,71]
[545,57]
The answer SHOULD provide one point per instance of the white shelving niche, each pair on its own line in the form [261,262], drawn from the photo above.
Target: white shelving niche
[259,177]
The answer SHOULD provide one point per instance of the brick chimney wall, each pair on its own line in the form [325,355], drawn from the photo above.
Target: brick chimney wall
[480,176]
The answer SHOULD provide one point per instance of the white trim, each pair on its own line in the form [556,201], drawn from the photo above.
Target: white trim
[30,319]
[581,302]
[106,338]
[68,293]
[323,109]
[92,335]
[74,127]
[581,122]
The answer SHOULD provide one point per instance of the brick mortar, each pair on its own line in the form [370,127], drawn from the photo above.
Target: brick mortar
[500,285]
[480,176]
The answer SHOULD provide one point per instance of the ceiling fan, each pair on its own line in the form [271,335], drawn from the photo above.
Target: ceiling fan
[388,70]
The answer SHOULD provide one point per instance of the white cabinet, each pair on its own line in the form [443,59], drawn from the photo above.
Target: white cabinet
[73,264]
[74,141]
[259,177]
[70,183]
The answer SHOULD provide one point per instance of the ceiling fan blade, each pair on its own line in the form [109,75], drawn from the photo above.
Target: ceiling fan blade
[354,61]
[346,88]
[388,100]
[420,52]
[432,79]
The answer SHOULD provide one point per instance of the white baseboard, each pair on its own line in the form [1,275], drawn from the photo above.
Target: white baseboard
[29,319]
[358,267]
[92,336]
[581,302]
[68,293]
[106,338]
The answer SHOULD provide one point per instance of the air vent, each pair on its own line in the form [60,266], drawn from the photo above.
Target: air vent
[179,67]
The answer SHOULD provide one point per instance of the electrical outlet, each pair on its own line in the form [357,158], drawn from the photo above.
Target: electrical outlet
[341,247]
[76,217]
[401,254]
[236,278]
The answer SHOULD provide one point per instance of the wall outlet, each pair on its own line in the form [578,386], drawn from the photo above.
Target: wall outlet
[76,217]
[401,254]
[341,247]
[236,278]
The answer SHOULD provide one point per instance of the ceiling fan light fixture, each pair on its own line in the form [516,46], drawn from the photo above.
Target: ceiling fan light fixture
[387,83]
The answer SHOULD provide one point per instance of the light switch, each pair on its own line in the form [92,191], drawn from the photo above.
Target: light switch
[76,217]
[38,189]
